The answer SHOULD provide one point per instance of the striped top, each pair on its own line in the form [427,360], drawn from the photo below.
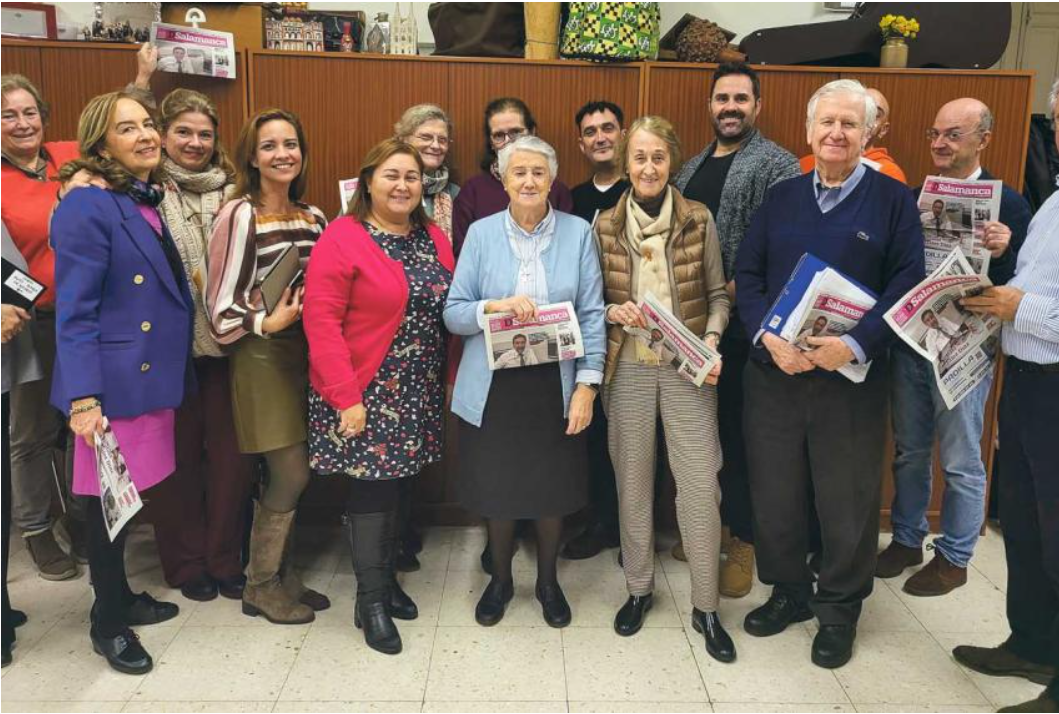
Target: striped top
[243,247]
[1034,335]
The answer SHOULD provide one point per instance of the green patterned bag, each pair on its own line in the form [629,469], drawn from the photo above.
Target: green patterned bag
[612,31]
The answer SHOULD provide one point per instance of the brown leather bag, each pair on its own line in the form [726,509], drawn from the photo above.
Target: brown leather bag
[471,29]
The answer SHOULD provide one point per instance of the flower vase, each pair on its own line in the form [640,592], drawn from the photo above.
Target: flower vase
[894,53]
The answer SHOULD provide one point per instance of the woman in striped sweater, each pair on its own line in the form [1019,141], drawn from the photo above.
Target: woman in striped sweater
[269,356]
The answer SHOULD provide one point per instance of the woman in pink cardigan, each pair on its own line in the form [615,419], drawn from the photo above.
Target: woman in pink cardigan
[374,292]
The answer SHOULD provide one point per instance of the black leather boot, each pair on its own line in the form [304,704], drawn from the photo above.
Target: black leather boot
[718,644]
[402,607]
[371,541]
[630,617]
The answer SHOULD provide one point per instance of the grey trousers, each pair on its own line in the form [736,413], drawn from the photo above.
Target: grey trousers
[39,434]
[635,397]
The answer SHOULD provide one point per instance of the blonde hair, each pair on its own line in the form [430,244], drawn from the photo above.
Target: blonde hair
[92,129]
[416,116]
[663,129]
[182,101]
[13,82]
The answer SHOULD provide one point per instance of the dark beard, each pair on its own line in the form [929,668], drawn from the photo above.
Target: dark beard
[731,140]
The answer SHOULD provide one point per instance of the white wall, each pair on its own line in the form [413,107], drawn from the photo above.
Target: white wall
[739,17]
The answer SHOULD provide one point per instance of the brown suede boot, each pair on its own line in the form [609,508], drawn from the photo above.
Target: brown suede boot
[893,561]
[939,577]
[737,571]
[263,593]
[292,582]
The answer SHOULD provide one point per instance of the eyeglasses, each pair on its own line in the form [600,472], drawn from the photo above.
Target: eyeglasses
[429,139]
[502,137]
[954,136]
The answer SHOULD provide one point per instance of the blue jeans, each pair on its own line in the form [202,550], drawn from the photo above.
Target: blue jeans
[918,412]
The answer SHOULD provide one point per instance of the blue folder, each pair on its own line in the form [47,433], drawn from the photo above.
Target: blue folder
[801,277]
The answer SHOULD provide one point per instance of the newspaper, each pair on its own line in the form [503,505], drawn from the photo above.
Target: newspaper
[960,345]
[554,336]
[189,50]
[118,494]
[954,214]
[831,307]
[672,342]
[346,189]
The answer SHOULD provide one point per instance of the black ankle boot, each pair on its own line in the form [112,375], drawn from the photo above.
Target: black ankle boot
[554,607]
[630,617]
[371,541]
[718,644]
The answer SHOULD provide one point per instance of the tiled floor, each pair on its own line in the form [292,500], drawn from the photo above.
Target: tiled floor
[212,658]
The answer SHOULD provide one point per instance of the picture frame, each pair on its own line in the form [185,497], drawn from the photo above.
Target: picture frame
[29,19]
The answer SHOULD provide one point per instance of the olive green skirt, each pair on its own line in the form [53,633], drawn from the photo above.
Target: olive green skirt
[270,382]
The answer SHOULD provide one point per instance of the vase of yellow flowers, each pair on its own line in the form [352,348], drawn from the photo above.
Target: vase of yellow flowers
[896,31]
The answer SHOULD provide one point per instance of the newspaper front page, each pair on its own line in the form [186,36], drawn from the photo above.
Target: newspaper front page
[831,307]
[118,494]
[555,336]
[960,345]
[954,214]
[189,50]
[672,342]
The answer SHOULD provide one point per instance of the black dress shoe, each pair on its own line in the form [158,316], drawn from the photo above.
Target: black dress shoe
[554,607]
[775,615]
[231,588]
[18,618]
[833,645]
[201,589]
[493,603]
[630,617]
[718,644]
[592,541]
[124,652]
[402,607]
[145,610]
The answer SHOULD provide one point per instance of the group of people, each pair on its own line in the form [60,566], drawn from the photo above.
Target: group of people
[154,246]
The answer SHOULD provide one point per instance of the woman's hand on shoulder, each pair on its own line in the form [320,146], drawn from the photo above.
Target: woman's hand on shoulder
[82,179]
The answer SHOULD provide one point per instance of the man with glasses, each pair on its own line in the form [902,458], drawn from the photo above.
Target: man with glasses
[962,130]
[730,176]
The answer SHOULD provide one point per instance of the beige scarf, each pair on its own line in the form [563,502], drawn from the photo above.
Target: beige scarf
[648,237]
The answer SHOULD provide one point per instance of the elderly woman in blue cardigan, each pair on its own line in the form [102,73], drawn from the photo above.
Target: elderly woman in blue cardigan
[522,441]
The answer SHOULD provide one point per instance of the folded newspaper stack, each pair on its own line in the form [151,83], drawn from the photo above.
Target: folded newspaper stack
[819,301]
[672,342]
[960,345]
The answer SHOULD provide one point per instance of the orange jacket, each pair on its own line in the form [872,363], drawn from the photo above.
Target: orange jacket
[877,155]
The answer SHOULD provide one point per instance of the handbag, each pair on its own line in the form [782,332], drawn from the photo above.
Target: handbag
[470,29]
[612,31]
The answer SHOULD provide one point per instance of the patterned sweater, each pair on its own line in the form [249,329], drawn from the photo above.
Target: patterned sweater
[244,245]
[757,166]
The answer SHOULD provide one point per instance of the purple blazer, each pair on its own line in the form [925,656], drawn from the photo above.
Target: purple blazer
[123,320]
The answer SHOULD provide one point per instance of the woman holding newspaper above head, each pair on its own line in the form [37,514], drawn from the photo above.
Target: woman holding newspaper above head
[123,346]
[516,262]
[657,242]
[374,294]
[260,239]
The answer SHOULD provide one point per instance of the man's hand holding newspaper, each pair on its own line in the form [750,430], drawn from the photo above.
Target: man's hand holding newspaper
[829,353]
[786,356]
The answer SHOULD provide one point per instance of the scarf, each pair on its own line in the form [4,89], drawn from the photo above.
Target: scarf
[434,186]
[192,200]
[648,237]
[146,193]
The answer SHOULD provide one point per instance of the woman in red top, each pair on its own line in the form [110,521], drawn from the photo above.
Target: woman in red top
[374,292]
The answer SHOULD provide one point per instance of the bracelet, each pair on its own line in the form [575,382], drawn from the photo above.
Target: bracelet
[87,407]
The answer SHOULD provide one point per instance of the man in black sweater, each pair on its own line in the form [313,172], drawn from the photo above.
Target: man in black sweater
[599,132]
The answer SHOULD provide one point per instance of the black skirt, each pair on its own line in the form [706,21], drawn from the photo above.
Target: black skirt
[520,464]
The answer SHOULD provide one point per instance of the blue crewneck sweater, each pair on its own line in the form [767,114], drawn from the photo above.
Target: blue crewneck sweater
[874,236]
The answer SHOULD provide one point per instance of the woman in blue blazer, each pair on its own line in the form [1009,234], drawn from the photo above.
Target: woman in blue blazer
[522,447]
[123,334]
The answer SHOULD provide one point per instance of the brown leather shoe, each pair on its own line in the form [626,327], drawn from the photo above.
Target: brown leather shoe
[1002,662]
[939,577]
[893,561]
[737,570]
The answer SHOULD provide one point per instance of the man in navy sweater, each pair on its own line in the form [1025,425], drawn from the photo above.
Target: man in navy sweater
[961,131]
[803,423]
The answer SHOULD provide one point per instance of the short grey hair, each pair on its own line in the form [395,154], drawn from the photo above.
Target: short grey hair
[534,145]
[416,116]
[1053,97]
[844,86]
[985,120]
